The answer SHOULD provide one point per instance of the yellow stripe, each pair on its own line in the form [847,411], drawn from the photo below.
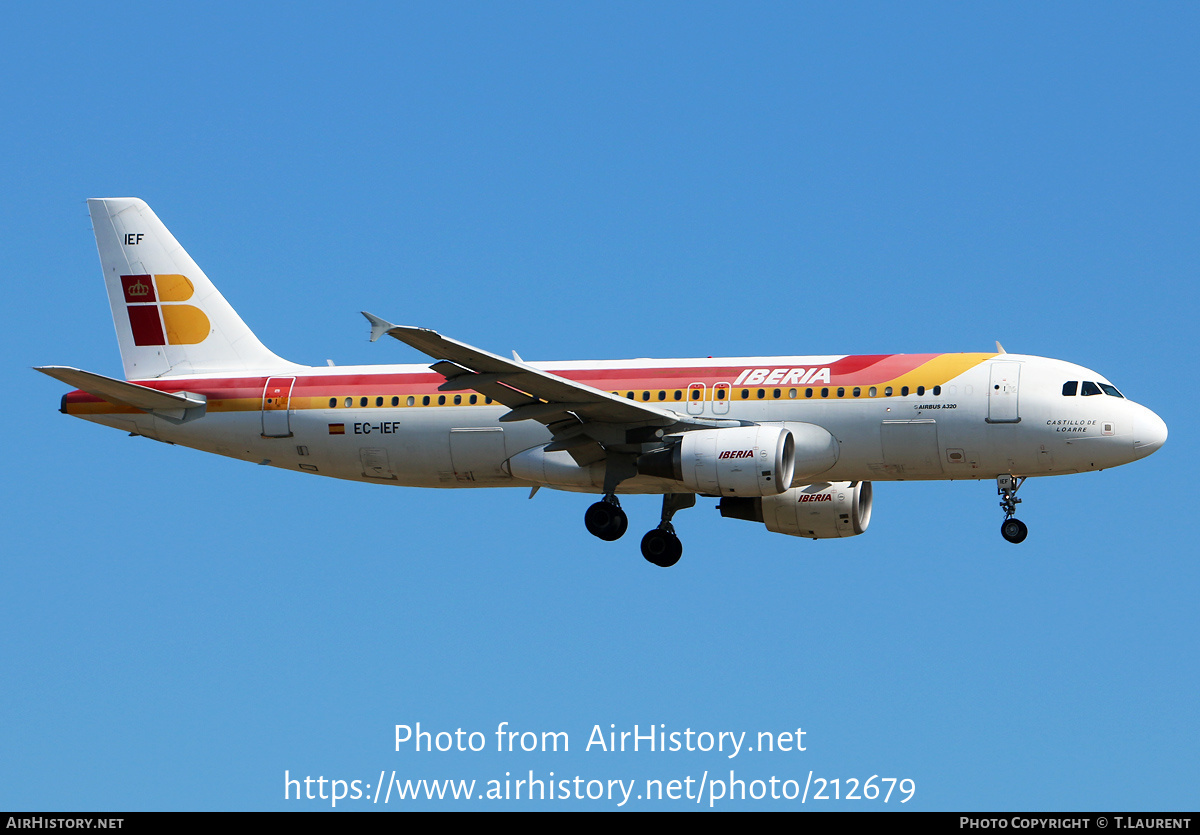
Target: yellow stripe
[939,370]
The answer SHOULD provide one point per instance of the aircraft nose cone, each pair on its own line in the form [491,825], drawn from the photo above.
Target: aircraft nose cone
[1149,433]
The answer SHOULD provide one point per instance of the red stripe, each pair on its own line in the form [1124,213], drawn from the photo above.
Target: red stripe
[858,369]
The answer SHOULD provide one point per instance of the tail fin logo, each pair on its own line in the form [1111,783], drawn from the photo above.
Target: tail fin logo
[138,289]
[156,318]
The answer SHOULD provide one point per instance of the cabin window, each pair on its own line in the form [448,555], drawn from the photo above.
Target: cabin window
[824,392]
[904,391]
[857,392]
[678,394]
[629,395]
[458,400]
[841,392]
[745,394]
[395,400]
[349,402]
[662,395]
[872,391]
[887,392]
[808,392]
[761,393]
[920,391]
[645,395]
[362,401]
[937,390]
[378,401]
[411,400]
[333,402]
[474,399]
[791,394]
[441,400]
[720,394]
[695,394]
[425,400]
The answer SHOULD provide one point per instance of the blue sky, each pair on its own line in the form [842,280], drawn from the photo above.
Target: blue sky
[604,181]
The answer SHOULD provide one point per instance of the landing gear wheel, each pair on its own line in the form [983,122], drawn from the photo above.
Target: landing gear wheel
[606,521]
[1014,530]
[662,547]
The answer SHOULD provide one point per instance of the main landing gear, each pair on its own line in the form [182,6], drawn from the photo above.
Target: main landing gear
[1012,529]
[606,520]
[661,546]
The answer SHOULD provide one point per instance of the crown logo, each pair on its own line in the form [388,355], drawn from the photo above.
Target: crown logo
[138,289]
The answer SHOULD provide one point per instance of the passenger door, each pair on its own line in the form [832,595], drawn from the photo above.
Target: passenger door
[1003,406]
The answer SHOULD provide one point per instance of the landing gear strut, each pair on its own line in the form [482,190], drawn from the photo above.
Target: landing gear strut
[661,546]
[1012,529]
[606,520]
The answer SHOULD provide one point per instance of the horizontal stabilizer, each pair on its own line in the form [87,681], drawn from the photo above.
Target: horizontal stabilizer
[170,405]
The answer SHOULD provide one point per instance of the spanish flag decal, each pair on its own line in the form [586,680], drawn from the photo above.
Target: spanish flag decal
[337,429]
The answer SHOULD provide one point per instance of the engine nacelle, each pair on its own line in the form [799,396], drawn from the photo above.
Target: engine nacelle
[817,511]
[816,451]
[737,461]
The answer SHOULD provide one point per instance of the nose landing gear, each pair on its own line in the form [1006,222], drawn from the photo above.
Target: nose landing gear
[1012,529]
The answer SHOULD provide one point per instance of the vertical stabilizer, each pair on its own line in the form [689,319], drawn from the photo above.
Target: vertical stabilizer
[170,319]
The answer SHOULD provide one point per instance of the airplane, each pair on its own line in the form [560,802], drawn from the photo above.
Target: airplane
[793,442]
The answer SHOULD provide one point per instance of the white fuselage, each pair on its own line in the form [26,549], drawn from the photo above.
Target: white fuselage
[1006,413]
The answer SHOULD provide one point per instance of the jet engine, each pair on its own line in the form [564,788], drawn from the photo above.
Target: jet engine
[817,511]
[737,461]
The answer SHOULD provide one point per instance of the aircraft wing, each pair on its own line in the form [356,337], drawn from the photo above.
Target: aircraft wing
[530,393]
[586,422]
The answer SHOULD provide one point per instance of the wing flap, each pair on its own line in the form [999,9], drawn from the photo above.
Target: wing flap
[489,385]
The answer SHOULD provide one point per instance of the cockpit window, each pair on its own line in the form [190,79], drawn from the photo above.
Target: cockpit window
[1070,388]
[1111,390]
[1090,388]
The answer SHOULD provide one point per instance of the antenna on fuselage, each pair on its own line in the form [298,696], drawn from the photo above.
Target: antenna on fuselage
[1000,348]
